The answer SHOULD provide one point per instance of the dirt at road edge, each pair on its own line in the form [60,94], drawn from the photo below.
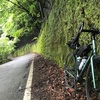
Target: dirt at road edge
[48,82]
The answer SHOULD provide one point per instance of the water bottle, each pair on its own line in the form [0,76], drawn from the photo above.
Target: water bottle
[82,63]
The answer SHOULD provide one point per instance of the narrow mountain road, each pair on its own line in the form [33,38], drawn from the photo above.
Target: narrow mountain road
[13,77]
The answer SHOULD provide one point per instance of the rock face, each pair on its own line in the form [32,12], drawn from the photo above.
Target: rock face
[46,6]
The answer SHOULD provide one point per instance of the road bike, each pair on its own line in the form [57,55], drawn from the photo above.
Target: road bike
[83,64]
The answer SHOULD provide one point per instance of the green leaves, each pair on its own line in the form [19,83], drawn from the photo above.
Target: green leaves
[18,19]
[18,33]
[6,47]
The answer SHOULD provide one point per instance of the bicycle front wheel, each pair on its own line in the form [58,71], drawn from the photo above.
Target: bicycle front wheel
[91,93]
[69,69]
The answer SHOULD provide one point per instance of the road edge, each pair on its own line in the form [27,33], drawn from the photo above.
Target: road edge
[27,93]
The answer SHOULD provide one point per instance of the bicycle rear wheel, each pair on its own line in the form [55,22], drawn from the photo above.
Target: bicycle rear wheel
[69,70]
[91,93]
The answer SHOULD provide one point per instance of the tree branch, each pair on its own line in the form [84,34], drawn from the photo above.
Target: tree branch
[19,5]
[14,3]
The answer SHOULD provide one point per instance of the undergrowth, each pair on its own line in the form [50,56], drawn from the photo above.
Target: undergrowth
[28,48]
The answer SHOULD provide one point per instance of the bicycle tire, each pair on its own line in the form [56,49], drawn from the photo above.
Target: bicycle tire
[91,94]
[69,70]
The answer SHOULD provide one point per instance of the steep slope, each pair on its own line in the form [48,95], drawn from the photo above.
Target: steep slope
[62,24]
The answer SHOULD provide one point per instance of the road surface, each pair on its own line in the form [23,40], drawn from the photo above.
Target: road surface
[13,78]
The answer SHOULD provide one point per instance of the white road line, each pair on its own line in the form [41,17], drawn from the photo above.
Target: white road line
[27,93]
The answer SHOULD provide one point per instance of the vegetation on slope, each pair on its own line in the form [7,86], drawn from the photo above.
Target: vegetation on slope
[62,24]
[20,23]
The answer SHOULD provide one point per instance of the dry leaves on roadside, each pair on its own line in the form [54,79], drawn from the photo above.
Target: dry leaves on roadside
[49,82]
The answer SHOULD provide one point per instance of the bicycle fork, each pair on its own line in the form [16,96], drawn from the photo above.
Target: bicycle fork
[93,75]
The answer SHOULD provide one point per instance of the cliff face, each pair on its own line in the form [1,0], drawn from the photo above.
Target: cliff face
[45,6]
[62,24]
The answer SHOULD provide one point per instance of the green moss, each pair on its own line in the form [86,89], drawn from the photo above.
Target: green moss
[62,24]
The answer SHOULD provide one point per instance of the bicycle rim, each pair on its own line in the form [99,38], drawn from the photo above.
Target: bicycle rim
[90,91]
[69,70]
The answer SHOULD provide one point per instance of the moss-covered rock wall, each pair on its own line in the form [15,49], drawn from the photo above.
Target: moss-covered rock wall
[62,24]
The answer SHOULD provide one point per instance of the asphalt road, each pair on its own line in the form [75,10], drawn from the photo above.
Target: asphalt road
[13,78]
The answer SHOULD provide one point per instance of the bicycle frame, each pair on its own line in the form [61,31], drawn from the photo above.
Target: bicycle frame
[89,59]
[77,72]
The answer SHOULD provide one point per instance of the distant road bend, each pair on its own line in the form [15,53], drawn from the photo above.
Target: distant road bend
[13,77]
